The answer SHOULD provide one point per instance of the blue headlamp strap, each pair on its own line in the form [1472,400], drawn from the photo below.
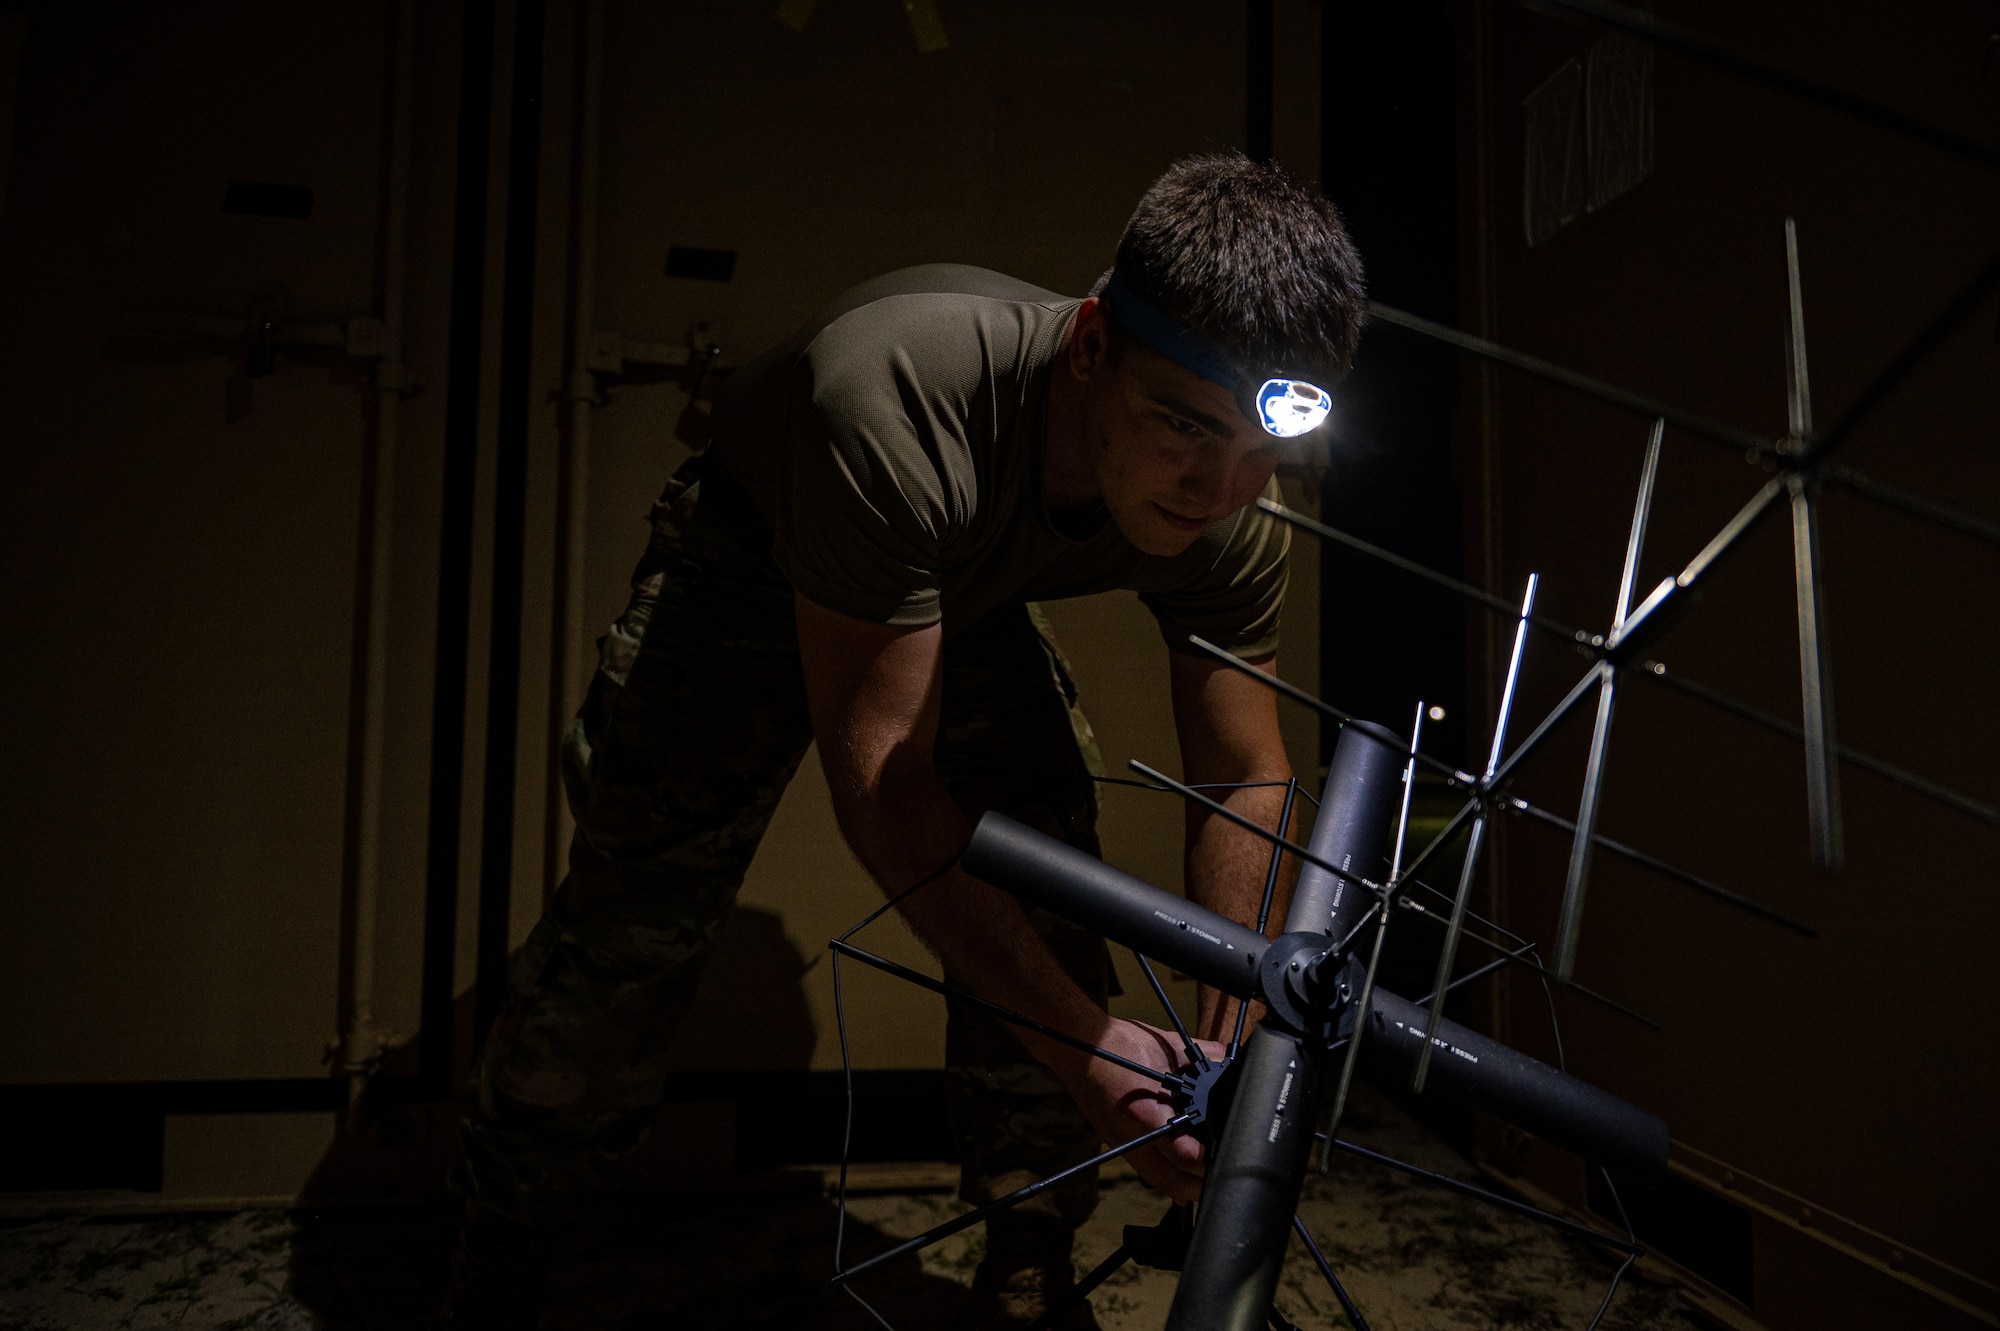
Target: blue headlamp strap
[1169,336]
[1284,407]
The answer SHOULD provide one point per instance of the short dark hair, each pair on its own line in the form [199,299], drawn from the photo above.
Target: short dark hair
[1257,260]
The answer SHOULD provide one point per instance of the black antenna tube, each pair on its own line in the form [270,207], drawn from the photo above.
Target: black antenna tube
[1043,871]
[1259,1163]
[1516,1089]
[1252,1187]
[1364,785]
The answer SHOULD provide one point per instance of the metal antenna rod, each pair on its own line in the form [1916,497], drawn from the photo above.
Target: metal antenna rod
[1570,925]
[1264,907]
[1449,954]
[1375,955]
[1646,669]
[1815,664]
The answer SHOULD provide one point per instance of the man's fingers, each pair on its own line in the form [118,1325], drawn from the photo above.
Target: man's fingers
[1163,1176]
[1184,1151]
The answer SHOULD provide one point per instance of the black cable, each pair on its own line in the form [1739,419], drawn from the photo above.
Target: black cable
[847,1071]
[1611,1291]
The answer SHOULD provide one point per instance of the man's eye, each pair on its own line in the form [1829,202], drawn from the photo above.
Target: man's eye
[1182,425]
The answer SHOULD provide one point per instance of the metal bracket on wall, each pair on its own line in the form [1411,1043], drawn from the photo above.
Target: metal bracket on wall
[258,338]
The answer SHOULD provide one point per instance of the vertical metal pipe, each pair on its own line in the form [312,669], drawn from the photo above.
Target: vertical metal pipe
[1332,1123]
[510,516]
[1815,665]
[364,1042]
[467,326]
[571,674]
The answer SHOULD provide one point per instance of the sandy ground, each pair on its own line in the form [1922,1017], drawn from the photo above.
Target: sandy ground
[1412,1255]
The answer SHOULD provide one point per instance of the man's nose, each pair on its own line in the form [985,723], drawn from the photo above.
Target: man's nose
[1206,483]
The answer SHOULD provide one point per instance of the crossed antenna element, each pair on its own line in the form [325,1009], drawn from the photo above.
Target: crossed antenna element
[1801,466]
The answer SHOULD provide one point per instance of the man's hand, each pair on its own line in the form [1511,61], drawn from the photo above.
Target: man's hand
[1122,1105]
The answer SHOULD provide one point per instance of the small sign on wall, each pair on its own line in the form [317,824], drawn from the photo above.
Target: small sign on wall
[1589,134]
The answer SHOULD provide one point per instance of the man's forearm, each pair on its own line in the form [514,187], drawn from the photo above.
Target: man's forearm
[1226,868]
[910,827]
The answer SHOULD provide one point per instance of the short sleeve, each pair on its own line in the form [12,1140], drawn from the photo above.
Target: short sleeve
[1235,599]
[869,498]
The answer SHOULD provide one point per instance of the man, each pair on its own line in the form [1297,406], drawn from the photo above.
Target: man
[855,561]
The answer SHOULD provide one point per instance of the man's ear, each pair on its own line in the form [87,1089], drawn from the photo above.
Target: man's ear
[1088,349]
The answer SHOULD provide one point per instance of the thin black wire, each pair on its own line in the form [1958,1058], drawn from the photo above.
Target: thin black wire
[1505,1203]
[1264,905]
[1008,1015]
[1193,1050]
[1406,899]
[1326,1269]
[1611,1291]
[1178,1123]
[1562,1065]
[1249,825]
[847,1068]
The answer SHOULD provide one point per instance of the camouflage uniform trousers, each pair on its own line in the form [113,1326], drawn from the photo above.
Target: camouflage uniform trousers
[695,722]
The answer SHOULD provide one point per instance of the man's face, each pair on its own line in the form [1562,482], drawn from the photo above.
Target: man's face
[1171,451]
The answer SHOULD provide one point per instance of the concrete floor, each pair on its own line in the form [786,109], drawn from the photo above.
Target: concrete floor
[1413,1256]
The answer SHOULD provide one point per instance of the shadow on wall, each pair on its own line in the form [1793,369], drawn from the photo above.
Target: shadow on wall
[373,1267]
[751,1010]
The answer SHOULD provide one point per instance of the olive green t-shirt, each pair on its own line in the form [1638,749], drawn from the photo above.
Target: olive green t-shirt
[894,445]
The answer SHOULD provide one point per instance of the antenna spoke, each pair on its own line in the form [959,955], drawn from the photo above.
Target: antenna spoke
[1668,871]
[1014,1198]
[1270,894]
[1193,1050]
[923,981]
[1332,1280]
[1463,1188]
[1250,825]
[1741,441]
[1986,529]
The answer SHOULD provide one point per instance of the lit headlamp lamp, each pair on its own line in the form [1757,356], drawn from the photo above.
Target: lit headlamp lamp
[1281,405]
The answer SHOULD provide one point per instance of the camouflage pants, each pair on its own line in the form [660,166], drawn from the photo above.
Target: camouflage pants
[694,724]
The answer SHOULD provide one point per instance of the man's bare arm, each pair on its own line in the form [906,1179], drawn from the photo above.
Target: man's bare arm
[1228,727]
[874,692]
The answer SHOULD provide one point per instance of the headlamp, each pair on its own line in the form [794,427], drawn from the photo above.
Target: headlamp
[1280,405]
